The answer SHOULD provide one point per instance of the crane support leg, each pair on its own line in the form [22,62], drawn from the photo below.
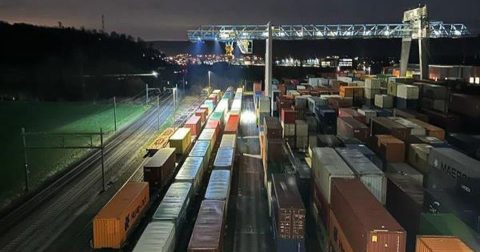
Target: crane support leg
[405,54]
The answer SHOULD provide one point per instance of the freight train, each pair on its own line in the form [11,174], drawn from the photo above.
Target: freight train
[192,147]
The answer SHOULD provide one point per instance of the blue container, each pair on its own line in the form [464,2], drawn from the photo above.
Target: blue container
[406,103]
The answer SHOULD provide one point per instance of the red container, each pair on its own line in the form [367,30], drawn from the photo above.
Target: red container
[232,124]
[288,116]
[257,87]
[365,223]
[202,113]
[195,125]
[208,232]
[212,124]
[159,168]
[213,97]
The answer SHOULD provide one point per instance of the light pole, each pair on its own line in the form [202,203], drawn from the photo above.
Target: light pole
[174,103]
[209,74]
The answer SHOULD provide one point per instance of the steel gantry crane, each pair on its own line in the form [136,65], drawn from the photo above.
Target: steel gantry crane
[415,25]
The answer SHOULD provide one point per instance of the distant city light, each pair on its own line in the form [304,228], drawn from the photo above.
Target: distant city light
[154,73]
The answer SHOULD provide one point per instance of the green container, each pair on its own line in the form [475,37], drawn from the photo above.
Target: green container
[217,116]
[449,224]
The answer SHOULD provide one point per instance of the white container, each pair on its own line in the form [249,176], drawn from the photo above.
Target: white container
[392,88]
[345,79]
[301,128]
[293,93]
[368,113]
[264,104]
[173,207]
[208,135]
[370,175]
[314,101]
[370,93]
[288,129]
[373,83]
[157,236]
[415,129]
[383,101]
[326,165]
[191,171]
[359,83]
[300,87]
[406,170]
[229,141]
[407,91]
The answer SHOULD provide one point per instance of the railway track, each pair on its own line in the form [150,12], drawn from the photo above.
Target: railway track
[38,222]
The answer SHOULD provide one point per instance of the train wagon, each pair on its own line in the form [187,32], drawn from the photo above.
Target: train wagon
[174,204]
[181,140]
[114,222]
[224,159]
[157,236]
[159,168]
[209,228]
[191,171]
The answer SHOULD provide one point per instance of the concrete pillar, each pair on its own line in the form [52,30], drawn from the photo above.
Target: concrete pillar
[405,55]
[423,50]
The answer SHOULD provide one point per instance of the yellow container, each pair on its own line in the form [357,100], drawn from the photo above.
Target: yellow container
[117,218]
[181,140]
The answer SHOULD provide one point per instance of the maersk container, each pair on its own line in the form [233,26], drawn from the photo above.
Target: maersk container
[191,171]
[224,159]
[218,186]
[181,140]
[370,175]
[157,236]
[406,170]
[229,141]
[173,207]
[116,220]
[202,149]
[461,169]
[367,152]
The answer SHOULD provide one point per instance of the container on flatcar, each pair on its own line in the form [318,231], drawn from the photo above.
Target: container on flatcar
[159,168]
[208,231]
[181,140]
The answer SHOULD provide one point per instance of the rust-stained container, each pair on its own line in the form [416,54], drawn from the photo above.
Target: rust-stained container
[116,219]
[208,232]
[391,148]
[288,208]
[432,130]
[232,124]
[202,113]
[194,124]
[349,112]
[383,125]
[181,140]
[288,116]
[439,243]
[350,128]
[159,168]
[366,224]
[405,199]
[272,128]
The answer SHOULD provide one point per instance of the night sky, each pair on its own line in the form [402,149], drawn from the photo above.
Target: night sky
[169,19]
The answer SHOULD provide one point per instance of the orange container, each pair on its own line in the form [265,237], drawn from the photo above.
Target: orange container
[434,243]
[391,148]
[195,125]
[351,91]
[232,124]
[202,113]
[117,218]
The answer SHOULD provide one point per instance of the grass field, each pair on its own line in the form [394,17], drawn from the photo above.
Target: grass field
[49,117]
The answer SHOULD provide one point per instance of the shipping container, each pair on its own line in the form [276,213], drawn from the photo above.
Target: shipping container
[366,224]
[415,129]
[405,199]
[202,149]
[449,224]
[467,143]
[367,152]
[410,114]
[191,171]
[218,116]
[328,141]
[232,124]
[209,135]
[114,222]
[465,104]
[408,92]
[368,173]
[288,116]
[162,141]
[405,170]
[288,209]
[219,185]
[228,141]
[157,236]
[372,83]
[431,130]
[208,231]
[194,124]
[437,243]
[301,128]
[326,165]
[390,148]
[402,103]
[461,169]
[224,159]
[369,94]
[273,128]
[383,101]
[349,112]
[158,170]
[418,157]
[174,205]
[202,113]
[382,125]
[181,140]
[288,129]
[348,127]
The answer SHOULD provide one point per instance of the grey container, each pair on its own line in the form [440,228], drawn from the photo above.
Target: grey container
[460,169]
[228,141]
[370,175]
[157,236]
[191,171]
[224,159]
[202,149]
[406,170]
[218,186]
[174,204]
[415,128]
